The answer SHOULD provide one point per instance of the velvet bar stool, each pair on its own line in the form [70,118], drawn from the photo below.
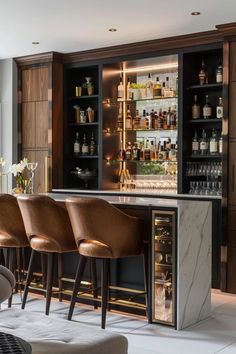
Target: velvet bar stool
[49,231]
[13,237]
[102,232]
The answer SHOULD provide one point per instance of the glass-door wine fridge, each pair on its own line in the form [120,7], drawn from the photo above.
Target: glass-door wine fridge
[164,267]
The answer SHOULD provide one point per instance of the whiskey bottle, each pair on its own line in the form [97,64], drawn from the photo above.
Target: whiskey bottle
[148,121]
[203,75]
[173,119]
[219,108]
[141,152]
[120,91]
[136,152]
[157,92]
[120,119]
[152,119]
[219,73]
[203,144]
[77,144]
[196,109]
[153,152]
[128,122]
[92,147]
[213,149]
[195,144]
[128,151]
[168,118]
[136,121]
[129,94]
[143,120]
[164,119]
[84,147]
[160,120]
[149,87]
[147,151]
[207,109]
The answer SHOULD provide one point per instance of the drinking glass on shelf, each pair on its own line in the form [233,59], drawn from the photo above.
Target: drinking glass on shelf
[31,166]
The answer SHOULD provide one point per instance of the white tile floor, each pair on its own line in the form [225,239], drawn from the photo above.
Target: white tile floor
[217,334]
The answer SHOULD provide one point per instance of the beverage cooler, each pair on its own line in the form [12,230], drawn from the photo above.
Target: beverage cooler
[164,267]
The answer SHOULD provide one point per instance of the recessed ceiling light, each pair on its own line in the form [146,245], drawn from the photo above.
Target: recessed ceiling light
[195,13]
[112,30]
[35,43]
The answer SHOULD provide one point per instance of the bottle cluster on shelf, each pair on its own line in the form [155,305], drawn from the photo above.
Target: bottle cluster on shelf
[84,147]
[203,73]
[206,111]
[205,188]
[207,143]
[148,90]
[149,150]
[153,120]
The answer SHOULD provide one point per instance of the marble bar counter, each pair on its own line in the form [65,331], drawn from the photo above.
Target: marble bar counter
[190,258]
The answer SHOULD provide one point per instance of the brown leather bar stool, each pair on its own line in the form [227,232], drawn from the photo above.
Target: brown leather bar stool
[49,231]
[102,231]
[13,237]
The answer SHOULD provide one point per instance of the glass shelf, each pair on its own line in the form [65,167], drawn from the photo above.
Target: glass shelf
[147,99]
[84,156]
[83,124]
[205,156]
[205,87]
[143,161]
[82,97]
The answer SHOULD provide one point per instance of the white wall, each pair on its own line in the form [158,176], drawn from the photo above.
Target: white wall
[8,99]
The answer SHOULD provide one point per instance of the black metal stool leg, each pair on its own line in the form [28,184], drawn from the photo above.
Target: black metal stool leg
[50,269]
[28,278]
[11,268]
[105,267]
[44,271]
[18,267]
[78,277]
[60,273]
[2,257]
[94,281]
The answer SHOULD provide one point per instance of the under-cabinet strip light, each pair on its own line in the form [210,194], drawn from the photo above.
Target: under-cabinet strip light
[152,68]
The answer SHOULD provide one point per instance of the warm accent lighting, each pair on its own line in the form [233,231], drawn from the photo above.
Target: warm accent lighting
[152,68]
[112,30]
[195,13]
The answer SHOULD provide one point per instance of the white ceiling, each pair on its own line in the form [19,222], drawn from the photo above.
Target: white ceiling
[75,25]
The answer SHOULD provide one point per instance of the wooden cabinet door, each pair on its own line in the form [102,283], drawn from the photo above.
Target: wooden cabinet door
[28,125]
[35,84]
[41,124]
[232,173]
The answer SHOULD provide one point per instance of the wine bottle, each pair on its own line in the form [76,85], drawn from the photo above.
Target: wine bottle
[120,91]
[219,108]
[76,144]
[203,144]
[84,147]
[203,75]
[196,109]
[128,122]
[207,109]
[219,73]
[157,92]
[195,144]
[92,147]
[149,87]
[213,149]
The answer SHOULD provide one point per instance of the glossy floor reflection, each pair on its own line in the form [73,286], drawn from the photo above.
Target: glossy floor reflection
[216,334]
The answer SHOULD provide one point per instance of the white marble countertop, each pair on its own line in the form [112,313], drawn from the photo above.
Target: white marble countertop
[131,200]
[139,193]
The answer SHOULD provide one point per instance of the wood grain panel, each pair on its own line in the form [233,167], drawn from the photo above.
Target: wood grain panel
[232,174]
[41,124]
[232,110]
[231,266]
[40,171]
[35,84]
[28,125]
[233,61]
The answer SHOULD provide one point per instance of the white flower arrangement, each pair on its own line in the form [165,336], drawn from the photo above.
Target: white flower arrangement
[18,168]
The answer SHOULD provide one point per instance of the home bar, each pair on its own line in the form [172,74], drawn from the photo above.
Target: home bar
[149,129]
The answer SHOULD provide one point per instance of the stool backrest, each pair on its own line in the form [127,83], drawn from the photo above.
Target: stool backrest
[44,217]
[11,222]
[97,220]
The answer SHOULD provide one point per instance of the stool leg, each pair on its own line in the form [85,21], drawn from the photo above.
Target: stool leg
[78,277]
[95,281]
[60,272]
[28,278]
[11,268]
[50,268]
[2,258]
[44,271]
[18,266]
[105,267]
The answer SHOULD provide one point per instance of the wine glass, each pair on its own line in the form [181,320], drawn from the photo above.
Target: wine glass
[31,166]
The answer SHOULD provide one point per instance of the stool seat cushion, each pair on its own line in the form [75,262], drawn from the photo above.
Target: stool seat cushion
[55,336]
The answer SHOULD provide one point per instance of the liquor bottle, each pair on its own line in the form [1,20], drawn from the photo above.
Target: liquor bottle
[92,146]
[173,118]
[196,109]
[136,152]
[129,94]
[76,144]
[155,124]
[120,119]
[157,92]
[167,91]
[219,108]
[221,144]
[128,151]
[172,153]
[161,153]
[143,120]
[195,144]
[207,109]
[153,152]
[136,121]
[147,151]
[141,151]
[213,149]
[128,122]
[160,120]
[203,143]
[149,87]
[203,75]
[163,89]
[164,119]
[84,147]
[120,91]
[152,119]
[219,73]
[168,118]
[148,121]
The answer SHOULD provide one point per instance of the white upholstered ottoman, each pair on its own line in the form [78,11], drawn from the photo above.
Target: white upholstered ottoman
[54,336]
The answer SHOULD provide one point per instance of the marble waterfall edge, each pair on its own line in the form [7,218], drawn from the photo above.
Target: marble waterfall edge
[194,263]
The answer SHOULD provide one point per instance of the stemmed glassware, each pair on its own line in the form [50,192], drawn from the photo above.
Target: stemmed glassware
[31,166]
